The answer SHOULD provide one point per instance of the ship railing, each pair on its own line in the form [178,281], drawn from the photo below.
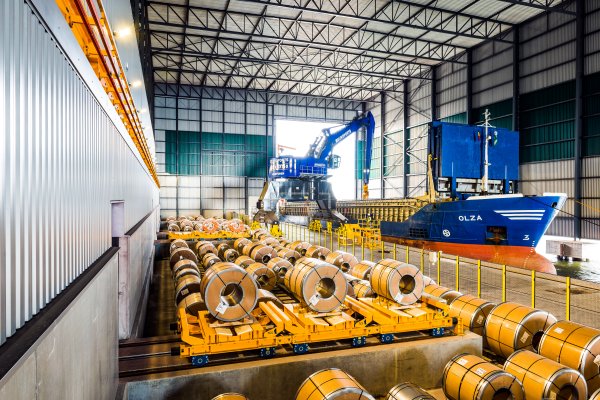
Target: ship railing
[566,298]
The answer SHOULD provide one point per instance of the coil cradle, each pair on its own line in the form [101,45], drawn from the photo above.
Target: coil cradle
[468,376]
[332,384]
[511,326]
[575,346]
[408,391]
[543,378]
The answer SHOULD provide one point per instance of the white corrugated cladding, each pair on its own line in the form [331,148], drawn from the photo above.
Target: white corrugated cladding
[547,51]
[375,177]
[419,115]
[393,146]
[62,162]
[451,88]
[492,72]
[227,111]
[592,41]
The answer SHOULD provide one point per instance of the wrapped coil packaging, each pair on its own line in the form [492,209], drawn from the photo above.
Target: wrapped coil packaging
[279,266]
[332,384]
[186,223]
[230,255]
[397,281]
[408,391]
[229,292]
[473,311]
[264,276]
[442,292]
[575,346]
[262,253]
[178,243]
[342,260]
[192,303]
[210,225]
[299,246]
[188,228]
[543,378]
[189,284]
[287,254]
[240,243]
[202,248]
[318,284]
[468,376]
[235,226]
[230,396]
[316,251]
[183,264]
[173,227]
[209,260]
[362,270]
[197,225]
[510,327]
[244,261]
[182,253]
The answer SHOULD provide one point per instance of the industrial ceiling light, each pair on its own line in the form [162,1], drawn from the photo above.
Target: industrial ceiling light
[136,84]
[122,32]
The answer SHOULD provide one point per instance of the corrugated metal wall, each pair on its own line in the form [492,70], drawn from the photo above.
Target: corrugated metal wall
[394,146]
[62,162]
[226,136]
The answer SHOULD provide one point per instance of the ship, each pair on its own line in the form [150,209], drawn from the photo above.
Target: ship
[471,208]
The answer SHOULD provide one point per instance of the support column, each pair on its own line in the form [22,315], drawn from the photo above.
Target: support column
[470,117]
[405,113]
[579,70]
[382,144]
[434,115]
[516,87]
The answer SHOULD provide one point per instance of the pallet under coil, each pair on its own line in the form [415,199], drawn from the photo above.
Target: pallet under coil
[273,324]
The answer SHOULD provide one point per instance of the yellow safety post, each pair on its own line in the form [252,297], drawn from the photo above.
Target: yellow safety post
[439,269]
[504,282]
[319,236]
[382,249]
[478,278]
[331,239]
[395,251]
[371,253]
[338,240]
[568,299]
[532,289]
[457,274]
[407,256]
[362,250]
[422,259]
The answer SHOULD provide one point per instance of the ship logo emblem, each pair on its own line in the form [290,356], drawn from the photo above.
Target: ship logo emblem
[522,215]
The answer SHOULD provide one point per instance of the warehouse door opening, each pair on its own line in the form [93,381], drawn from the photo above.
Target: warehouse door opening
[295,137]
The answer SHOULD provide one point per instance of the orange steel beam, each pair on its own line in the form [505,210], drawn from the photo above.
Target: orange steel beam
[96,40]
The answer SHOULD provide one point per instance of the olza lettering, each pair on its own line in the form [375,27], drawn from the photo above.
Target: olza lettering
[468,218]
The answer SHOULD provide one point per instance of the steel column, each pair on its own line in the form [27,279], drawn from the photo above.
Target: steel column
[434,115]
[515,86]
[405,109]
[382,144]
[470,116]
[579,71]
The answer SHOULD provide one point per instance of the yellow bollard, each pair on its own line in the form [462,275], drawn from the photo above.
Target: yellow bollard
[353,247]
[407,254]
[457,273]
[395,251]
[478,278]
[532,289]
[568,299]
[331,239]
[439,269]
[504,282]
[382,249]
[362,250]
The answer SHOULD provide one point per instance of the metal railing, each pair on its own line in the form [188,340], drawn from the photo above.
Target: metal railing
[569,299]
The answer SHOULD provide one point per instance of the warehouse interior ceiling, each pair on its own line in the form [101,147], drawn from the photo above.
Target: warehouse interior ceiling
[351,49]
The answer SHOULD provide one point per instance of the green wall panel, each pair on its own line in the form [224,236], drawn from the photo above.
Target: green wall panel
[500,114]
[591,115]
[456,119]
[208,153]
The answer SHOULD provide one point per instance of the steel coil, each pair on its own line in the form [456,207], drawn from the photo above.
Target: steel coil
[192,303]
[188,228]
[318,284]
[177,243]
[230,255]
[209,260]
[595,395]
[442,292]
[363,289]
[210,225]
[332,384]
[510,327]
[408,391]
[258,233]
[235,226]
[397,281]
[316,251]
[221,247]
[173,227]
[575,346]
[182,253]
[240,243]
[264,276]
[299,246]
[230,396]
[262,253]
[342,260]
[472,311]
[203,248]
[183,264]
[279,266]
[468,376]
[543,378]
[283,242]
[229,292]
[288,254]
[197,225]
[247,249]
[186,286]
[244,261]
[428,281]
[183,272]
[362,270]
[270,241]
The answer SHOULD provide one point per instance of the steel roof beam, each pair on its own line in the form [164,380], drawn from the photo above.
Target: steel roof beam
[545,5]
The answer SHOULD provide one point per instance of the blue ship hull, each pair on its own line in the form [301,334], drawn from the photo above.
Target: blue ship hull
[503,228]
